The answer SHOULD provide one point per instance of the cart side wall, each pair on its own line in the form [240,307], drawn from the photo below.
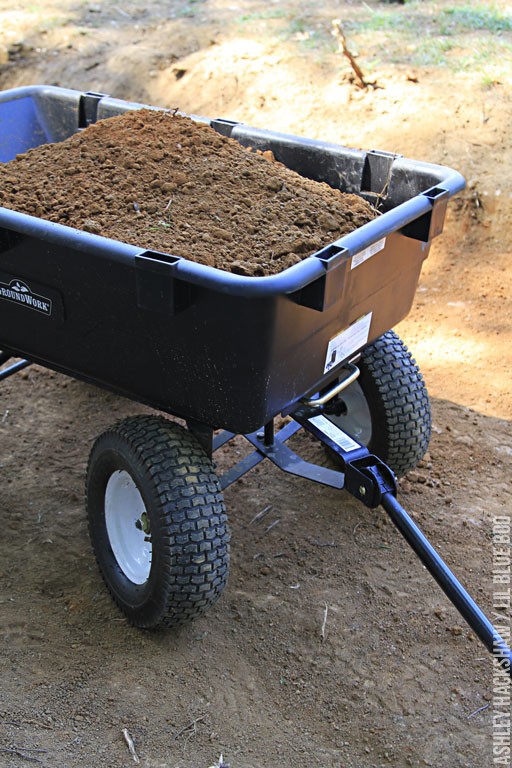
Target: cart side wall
[225,360]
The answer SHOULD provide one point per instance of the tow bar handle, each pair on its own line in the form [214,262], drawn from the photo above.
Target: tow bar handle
[448,582]
[372,482]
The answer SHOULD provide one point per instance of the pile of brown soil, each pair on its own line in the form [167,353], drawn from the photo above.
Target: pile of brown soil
[164,182]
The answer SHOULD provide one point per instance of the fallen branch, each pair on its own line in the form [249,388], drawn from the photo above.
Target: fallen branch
[337,31]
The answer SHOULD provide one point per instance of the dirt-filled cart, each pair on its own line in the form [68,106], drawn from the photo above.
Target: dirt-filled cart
[227,353]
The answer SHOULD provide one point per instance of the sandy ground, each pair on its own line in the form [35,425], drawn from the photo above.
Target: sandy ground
[398,678]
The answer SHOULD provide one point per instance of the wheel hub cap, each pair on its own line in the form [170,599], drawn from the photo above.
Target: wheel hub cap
[127,525]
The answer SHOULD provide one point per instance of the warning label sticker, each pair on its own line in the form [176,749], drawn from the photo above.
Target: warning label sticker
[362,256]
[337,435]
[344,344]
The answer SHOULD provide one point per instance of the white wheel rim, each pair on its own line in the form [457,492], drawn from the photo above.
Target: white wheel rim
[357,421]
[125,518]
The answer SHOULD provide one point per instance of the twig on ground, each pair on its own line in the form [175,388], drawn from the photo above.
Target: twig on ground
[20,752]
[337,31]
[480,709]
[192,726]
[272,525]
[261,515]
[324,623]
[19,723]
[322,543]
[131,745]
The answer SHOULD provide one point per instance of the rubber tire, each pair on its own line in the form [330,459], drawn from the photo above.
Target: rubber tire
[187,518]
[397,401]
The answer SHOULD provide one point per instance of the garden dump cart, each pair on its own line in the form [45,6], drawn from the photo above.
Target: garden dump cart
[226,353]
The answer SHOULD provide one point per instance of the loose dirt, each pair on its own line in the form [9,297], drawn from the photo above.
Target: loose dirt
[398,679]
[164,182]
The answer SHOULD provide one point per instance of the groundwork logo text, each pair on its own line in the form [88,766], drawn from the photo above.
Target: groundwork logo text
[20,293]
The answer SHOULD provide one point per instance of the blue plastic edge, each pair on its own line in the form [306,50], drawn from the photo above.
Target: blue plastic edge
[289,281]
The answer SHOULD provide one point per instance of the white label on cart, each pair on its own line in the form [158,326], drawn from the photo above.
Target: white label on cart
[362,256]
[342,346]
[20,293]
[345,442]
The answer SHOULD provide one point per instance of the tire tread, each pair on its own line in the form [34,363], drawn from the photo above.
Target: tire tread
[402,399]
[194,534]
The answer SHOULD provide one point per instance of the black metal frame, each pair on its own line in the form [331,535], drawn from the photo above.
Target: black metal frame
[13,368]
[363,475]
[371,481]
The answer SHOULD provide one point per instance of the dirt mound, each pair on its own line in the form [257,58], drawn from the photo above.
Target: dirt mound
[164,182]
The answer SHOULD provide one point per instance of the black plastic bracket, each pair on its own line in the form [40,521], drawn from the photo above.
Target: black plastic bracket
[327,289]
[88,108]
[429,225]
[224,127]
[376,176]
[158,288]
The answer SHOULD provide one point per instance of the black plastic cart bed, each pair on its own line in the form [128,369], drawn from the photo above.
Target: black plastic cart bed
[228,352]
